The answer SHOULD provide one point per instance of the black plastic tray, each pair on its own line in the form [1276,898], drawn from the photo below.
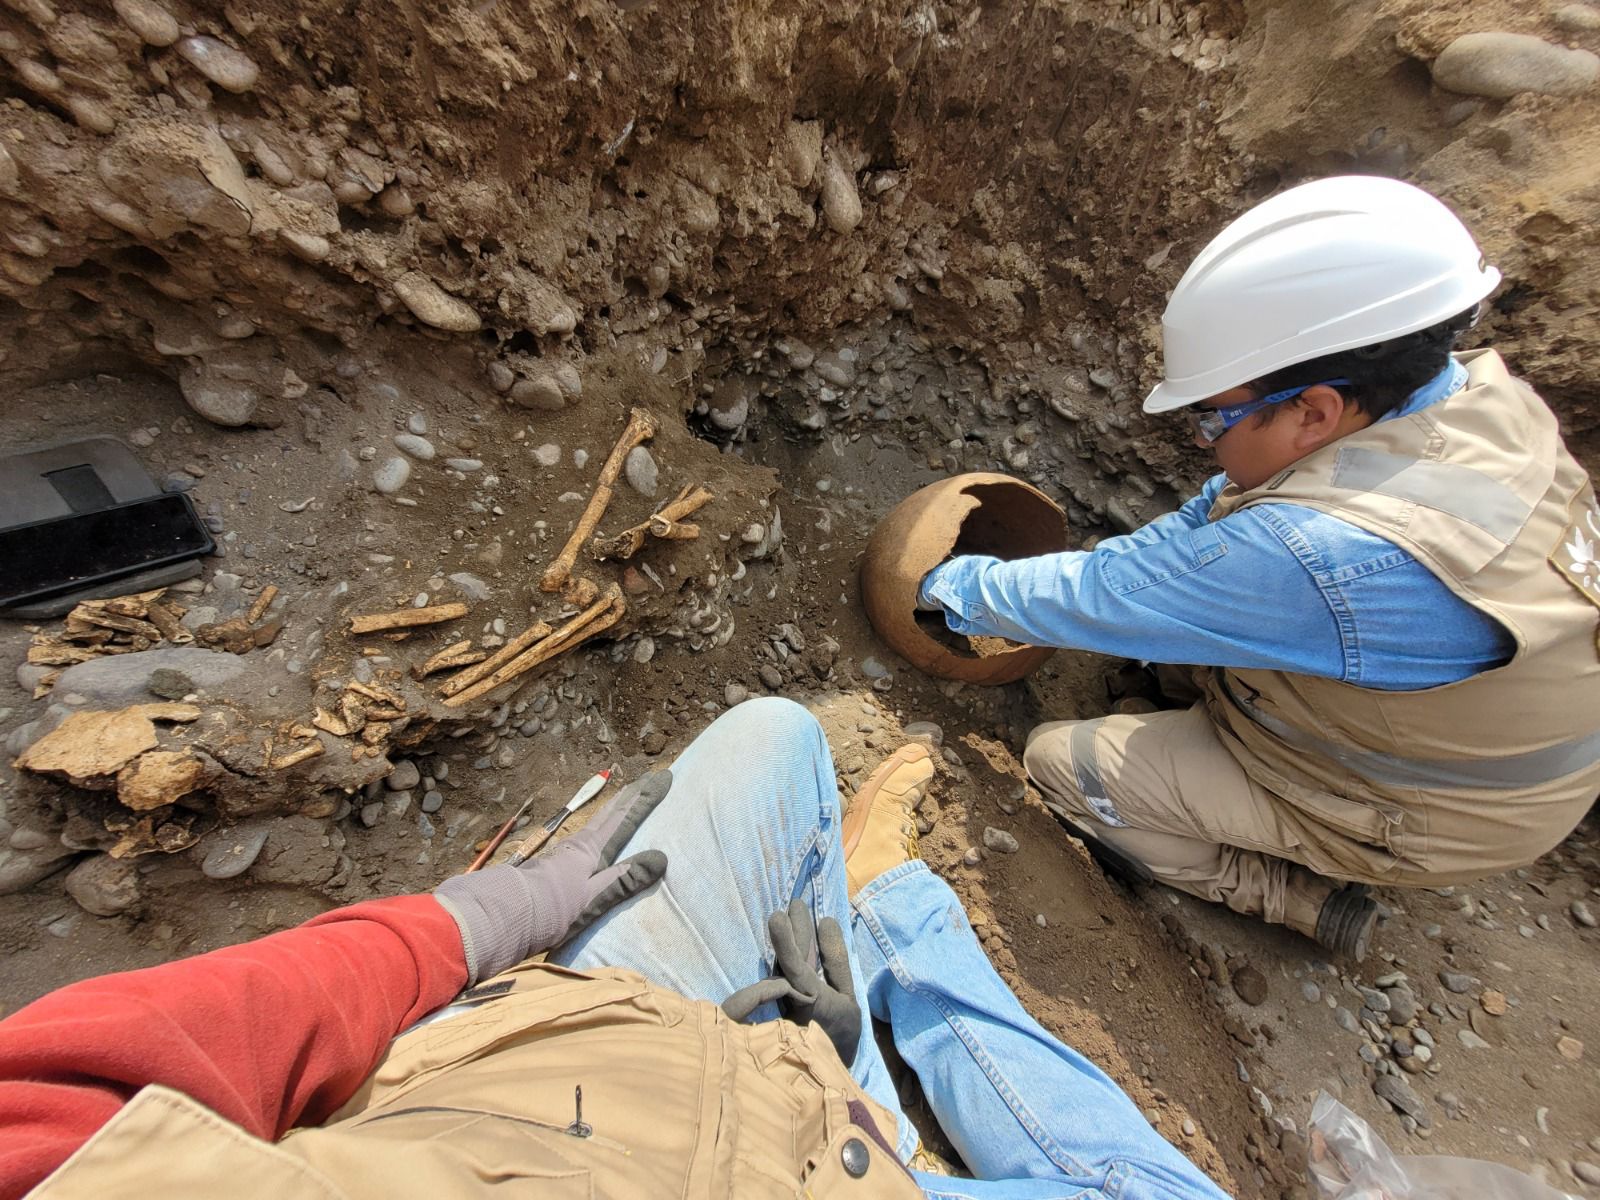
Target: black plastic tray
[62,554]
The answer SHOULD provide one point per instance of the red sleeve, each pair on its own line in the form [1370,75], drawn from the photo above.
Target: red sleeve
[272,1034]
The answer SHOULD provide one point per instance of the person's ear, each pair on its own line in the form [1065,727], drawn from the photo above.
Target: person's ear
[1319,416]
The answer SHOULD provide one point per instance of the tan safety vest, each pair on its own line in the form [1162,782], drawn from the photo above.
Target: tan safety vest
[1453,782]
[677,1101]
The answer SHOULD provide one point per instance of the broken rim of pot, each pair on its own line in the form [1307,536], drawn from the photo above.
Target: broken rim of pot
[977,513]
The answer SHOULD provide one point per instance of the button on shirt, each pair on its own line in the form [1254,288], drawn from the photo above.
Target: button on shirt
[1273,586]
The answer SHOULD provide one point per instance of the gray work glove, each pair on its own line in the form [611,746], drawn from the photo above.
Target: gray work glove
[507,914]
[802,993]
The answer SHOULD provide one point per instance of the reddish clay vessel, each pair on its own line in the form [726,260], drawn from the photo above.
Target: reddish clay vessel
[977,513]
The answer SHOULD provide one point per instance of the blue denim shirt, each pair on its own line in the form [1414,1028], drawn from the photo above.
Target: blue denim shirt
[1273,586]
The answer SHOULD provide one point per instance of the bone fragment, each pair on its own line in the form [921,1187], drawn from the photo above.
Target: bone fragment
[295,757]
[536,632]
[459,655]
[405,618]
[595,619]
[667,524]
[641,427]
[263,602]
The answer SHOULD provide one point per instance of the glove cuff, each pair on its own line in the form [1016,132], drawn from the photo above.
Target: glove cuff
[500,916]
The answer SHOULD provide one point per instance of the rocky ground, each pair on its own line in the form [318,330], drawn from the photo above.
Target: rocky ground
[384,325]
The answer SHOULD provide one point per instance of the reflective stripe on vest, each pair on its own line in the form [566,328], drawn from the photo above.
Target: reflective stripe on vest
[1516,770]
[1457,491]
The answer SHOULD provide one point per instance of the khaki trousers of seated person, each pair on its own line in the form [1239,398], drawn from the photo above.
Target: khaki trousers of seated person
[1163,788]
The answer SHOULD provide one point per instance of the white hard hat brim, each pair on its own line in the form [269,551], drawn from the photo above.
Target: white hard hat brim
[1328,266]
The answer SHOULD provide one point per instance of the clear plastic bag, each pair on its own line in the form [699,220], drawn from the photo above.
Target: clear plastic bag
[1350,1162]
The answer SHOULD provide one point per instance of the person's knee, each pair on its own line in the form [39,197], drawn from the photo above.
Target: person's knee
[767,722]
[1047,757]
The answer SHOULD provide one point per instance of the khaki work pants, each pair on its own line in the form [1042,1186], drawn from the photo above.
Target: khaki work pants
[1173,797]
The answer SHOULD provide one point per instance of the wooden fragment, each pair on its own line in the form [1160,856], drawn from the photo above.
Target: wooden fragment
[601,616]
[641,426]
[404,618]
[536,632]
[262,603]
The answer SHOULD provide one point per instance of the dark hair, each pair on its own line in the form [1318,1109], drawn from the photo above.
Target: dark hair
[1381,376]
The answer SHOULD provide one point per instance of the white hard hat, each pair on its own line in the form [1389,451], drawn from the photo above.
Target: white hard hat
[1326,266]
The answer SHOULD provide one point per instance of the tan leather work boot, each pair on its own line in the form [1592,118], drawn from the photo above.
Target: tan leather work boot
[880,824]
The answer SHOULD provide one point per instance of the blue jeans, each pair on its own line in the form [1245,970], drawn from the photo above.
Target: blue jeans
[751,823]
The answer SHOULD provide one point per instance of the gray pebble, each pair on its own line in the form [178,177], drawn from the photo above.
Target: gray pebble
[972,857]
[63,926]
[873,669]
[1311,992]
[771,677]
[1587,1172]
[640,471]
[547,455]
[735,693]
[465,465]
[417,423]
[419,448]
[1455,981]
[233,850]
[404,776]
[471,586]
[432,801]
[424,826]
[1577,18]
[398,803]
[104,885]
[999,840]
[1346,1020]
[644,650]
[391,476]
[372,813]
[1581,914]
[1402,1005]
[1471,1040]
[925,731]
[1501,65]
[1397,1092]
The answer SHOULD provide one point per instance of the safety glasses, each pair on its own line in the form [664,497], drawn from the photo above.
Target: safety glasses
[1212,423]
